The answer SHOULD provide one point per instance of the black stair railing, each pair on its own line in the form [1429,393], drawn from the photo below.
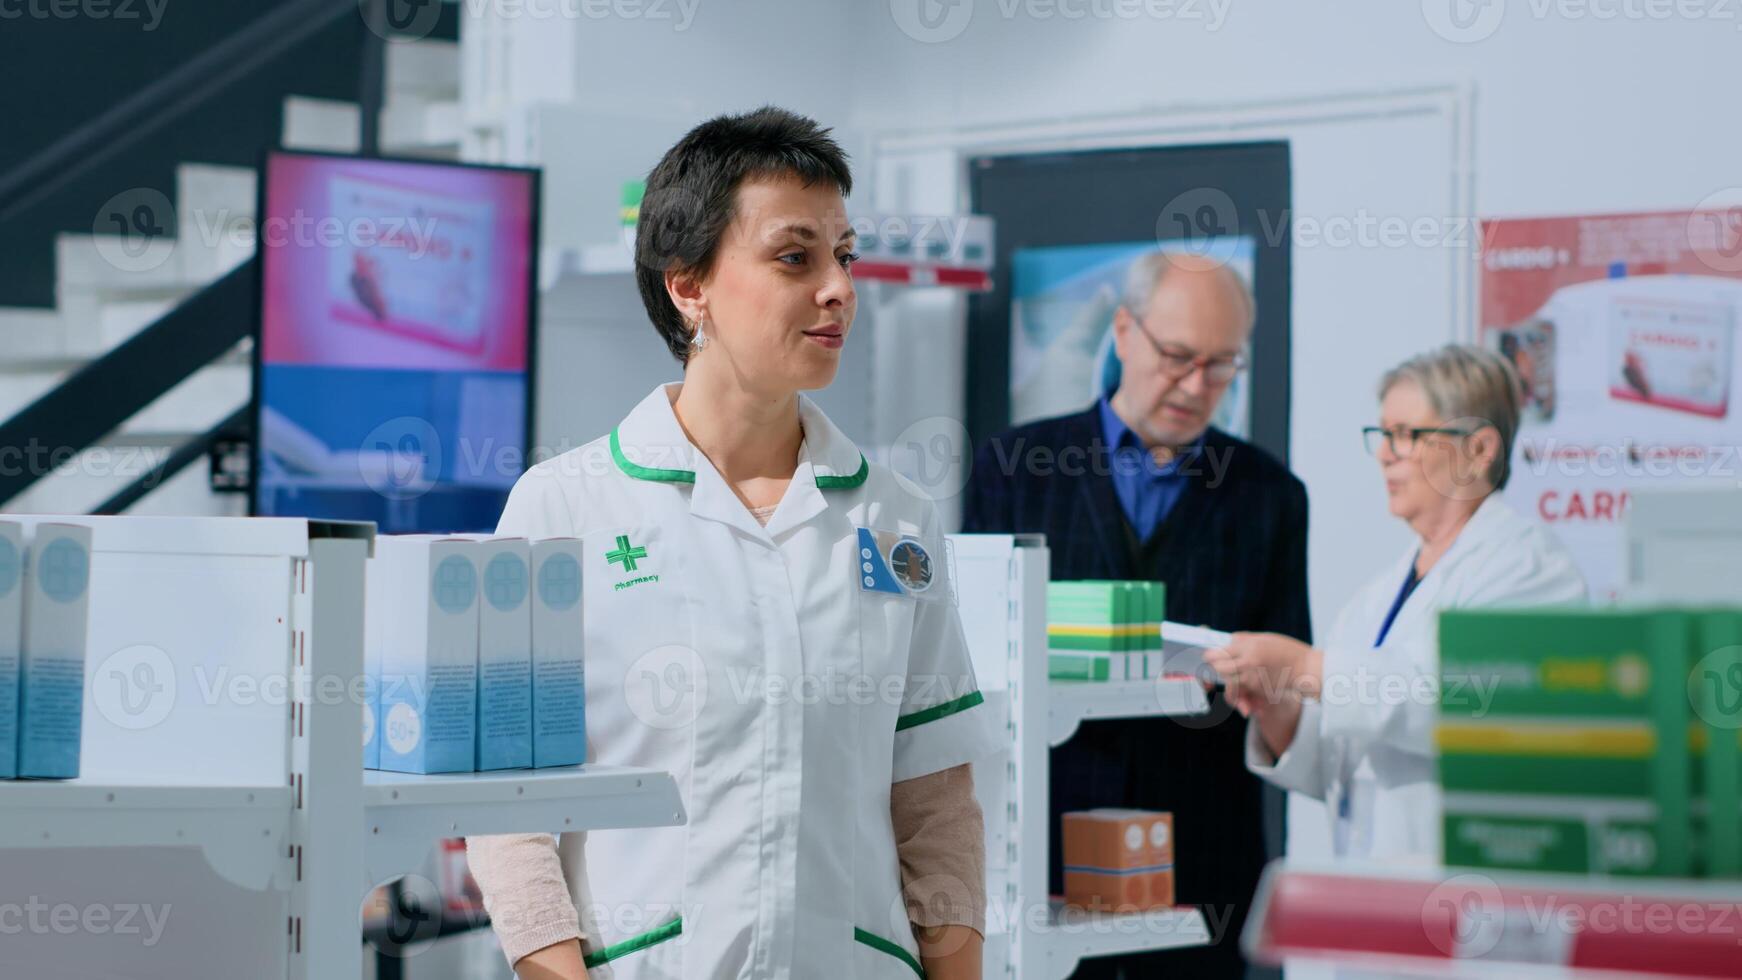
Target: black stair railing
[108,391]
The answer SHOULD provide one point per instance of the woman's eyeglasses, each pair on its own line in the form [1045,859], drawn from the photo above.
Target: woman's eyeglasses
[1404,438]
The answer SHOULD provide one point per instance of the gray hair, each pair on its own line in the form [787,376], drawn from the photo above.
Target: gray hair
[1147,271]
[1462,381]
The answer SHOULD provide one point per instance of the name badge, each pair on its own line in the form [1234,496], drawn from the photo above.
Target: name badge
[901,565]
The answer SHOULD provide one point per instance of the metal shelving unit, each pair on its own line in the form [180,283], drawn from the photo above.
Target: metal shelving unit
[269,788]
[1032,936]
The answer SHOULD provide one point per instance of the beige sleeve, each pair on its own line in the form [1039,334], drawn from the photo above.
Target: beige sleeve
[525,891]
[940,838]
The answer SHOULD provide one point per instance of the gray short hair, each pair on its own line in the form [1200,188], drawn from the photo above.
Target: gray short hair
[1147,270]
[1462,381]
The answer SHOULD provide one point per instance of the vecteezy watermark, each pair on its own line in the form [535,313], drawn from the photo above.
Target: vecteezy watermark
[934,454]
[938,21]
[1468,917]
[148,13]
[412,917]
[1543,457]
[1715,230]
[1715,688]
[1464,21]
[35,917]
[1470,21]
[414,19]
[139,686]
[670,686]
[401,458]
[38,460]
[138,230]
[135,230]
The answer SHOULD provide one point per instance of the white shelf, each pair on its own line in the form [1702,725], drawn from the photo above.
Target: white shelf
[1073,935]
[1070,703]
[405,814]
[241,829]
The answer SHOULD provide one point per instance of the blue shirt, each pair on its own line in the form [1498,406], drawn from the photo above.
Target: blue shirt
[1147,490]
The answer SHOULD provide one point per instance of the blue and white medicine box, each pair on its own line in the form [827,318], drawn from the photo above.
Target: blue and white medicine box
[11,638]
[51,674]
[505,654]
[429,662]
[376,629]
[559,703]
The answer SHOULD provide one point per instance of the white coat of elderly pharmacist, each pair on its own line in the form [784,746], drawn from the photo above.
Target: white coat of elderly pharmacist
[1351,723]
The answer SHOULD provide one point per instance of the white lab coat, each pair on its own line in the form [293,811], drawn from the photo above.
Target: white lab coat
[749,662]
[1366,746]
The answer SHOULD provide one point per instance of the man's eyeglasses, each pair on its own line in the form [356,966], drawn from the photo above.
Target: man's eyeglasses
[1404,438]
[1178,363]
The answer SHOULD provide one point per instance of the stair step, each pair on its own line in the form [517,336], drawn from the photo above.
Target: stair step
[426,68]
[93,322]
[220,195]
[321,124]
[20,388]
[415,127]
[30,333]
[206,398]
[100,472]
[116,263]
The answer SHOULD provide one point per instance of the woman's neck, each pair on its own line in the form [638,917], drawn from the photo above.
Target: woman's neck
[745,434]
[1439,530]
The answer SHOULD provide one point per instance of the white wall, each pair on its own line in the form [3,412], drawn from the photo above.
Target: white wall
[1574,112]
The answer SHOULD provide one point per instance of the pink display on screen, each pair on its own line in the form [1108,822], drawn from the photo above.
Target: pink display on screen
[385,264]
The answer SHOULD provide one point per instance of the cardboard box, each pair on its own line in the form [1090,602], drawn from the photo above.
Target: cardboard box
[429,659]
[51,675]
[11,639]
[1118,860]
[559,702]
[1564,740]
[505,655]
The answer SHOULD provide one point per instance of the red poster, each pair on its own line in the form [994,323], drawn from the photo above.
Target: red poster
[1623,328]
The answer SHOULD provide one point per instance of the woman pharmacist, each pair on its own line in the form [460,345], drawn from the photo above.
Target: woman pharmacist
[1350,724]
[746,626]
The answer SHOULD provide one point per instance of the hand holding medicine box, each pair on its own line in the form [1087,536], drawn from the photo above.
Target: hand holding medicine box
[428,662]
[1183,648]
[1118,860]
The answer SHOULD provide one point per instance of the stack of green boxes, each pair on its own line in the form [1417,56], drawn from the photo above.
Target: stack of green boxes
[1104,630]
[1592,741]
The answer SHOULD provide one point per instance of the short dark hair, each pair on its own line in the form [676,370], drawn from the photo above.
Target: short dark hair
[688,204]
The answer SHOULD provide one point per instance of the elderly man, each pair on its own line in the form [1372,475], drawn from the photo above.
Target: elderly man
[1139,486]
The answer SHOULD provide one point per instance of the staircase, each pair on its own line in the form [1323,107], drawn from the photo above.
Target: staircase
[105,293]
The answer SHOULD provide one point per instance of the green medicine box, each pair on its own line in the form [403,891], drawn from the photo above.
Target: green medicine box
[1102,630]
[1564,740]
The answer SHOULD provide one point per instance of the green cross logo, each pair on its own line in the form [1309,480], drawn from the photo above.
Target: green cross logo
[625,554]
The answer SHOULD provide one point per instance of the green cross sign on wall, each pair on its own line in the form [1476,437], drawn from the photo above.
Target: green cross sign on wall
[625,554]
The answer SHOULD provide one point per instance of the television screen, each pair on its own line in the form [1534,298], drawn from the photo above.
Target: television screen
[394,351]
